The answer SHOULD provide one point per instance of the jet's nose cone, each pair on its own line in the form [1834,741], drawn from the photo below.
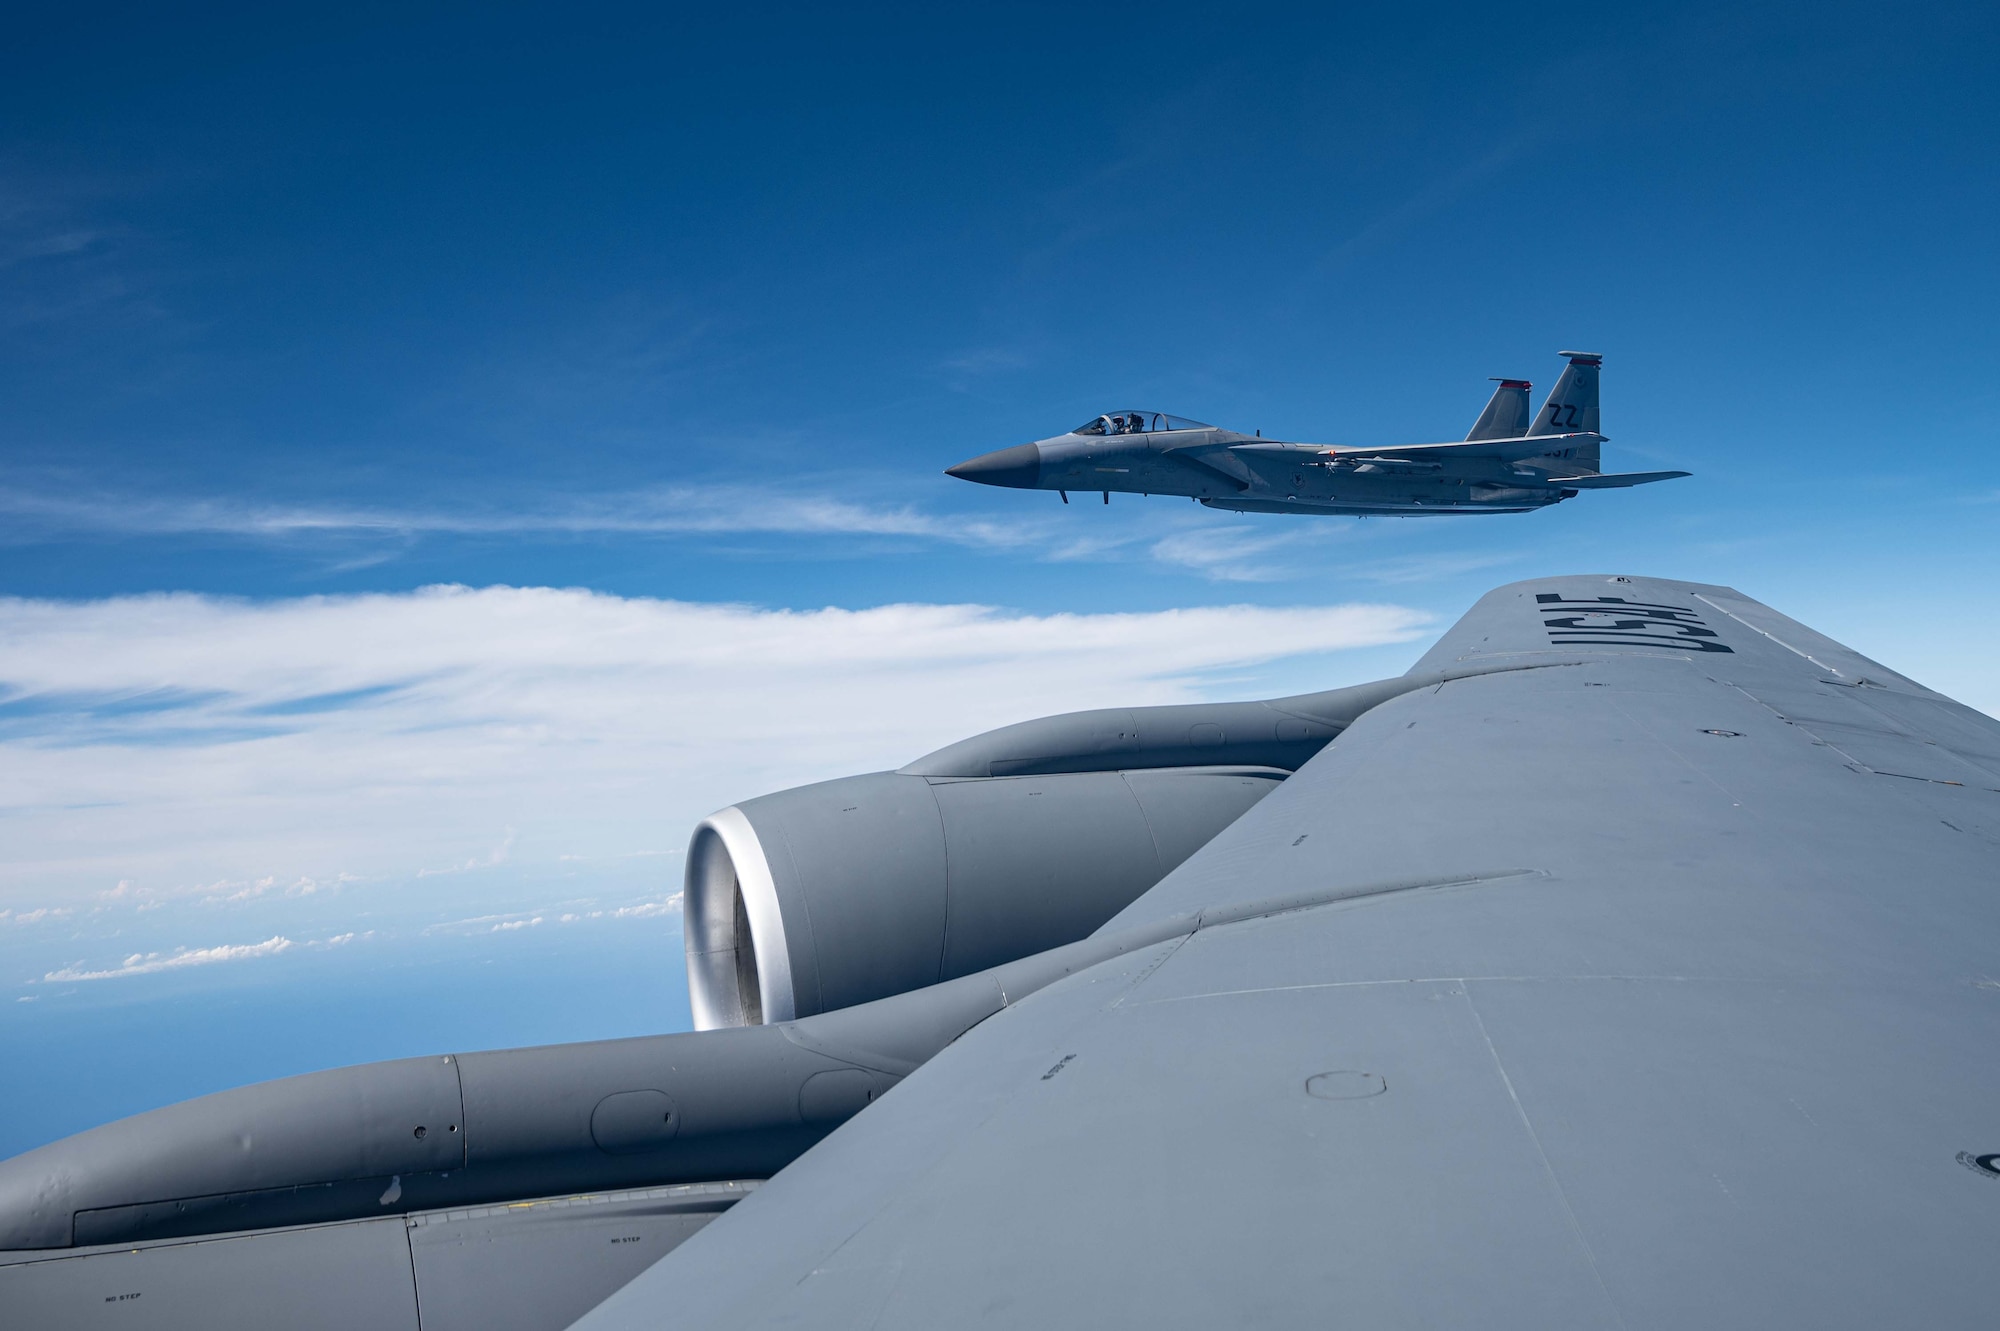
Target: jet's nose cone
[1019,467]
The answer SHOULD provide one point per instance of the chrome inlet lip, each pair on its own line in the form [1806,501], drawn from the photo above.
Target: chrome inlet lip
[730,892]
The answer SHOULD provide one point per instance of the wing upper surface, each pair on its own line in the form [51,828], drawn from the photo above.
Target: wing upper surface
[1695,1029]
[1527,446]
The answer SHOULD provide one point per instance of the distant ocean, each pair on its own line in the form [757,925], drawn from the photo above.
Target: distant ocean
[73,1055]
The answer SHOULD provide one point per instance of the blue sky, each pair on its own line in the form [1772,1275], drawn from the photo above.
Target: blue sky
[669,320]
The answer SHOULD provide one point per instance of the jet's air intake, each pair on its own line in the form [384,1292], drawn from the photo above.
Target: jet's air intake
[739,968]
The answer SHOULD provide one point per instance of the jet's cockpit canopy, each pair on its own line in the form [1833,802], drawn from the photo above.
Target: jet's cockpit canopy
[1137,422]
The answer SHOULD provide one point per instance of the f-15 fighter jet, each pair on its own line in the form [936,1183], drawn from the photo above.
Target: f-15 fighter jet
[1506,465]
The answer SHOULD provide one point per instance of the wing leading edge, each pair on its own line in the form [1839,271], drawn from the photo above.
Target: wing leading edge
[1645,991]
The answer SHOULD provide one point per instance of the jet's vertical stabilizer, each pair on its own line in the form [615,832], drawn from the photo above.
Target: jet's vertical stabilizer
[1572,407]
[1572,403]
[1506,414]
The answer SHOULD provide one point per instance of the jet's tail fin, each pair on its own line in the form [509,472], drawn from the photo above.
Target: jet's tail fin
[1572,405]
[1506,414]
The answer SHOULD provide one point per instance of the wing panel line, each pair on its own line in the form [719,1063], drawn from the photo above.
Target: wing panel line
[1767,633]
[1548,1167]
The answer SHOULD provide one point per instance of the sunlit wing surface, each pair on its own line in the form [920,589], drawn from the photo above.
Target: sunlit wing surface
[1657,987]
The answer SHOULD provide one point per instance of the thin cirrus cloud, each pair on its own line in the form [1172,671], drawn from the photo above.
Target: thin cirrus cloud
[198,758]
[1161,533]
[1234,555]
[1267,554]
[661,511]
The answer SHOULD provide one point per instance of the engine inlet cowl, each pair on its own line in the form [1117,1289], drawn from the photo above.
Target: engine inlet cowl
[847,891]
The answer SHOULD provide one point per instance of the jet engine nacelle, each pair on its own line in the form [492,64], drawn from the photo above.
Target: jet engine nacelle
[991,849]
[846,891]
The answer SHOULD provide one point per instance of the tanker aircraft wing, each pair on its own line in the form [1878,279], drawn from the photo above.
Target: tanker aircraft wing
[1643,978]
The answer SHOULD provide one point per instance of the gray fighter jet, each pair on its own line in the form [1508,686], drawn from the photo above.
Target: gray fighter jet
[1506,465]
[1629,962]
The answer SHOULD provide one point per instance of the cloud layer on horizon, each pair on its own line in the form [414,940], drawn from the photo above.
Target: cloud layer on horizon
[1214,546]
[190,750]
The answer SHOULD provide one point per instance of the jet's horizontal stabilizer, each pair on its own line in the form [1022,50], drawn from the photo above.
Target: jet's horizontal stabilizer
[1617,480]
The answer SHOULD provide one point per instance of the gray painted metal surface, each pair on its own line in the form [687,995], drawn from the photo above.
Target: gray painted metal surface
[515,1123]
[528,1266]
[1505,465]
[539,1266]
[519,1123]
[1691,1027]
[847,891]
[327,1278]
[998,846]
[1277,732]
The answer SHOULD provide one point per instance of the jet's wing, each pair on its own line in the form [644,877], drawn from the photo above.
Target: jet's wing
[1651,984]
[1616,480]
[1506,450]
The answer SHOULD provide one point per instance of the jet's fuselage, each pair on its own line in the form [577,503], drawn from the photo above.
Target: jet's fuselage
[1225,469]
[1511,462]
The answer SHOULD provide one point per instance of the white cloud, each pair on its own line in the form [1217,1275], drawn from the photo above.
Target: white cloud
[657,511]
[149,963]
[220,892]
[646,910]
[1219,547]
[37,915]
[1236,554]
[216,754]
